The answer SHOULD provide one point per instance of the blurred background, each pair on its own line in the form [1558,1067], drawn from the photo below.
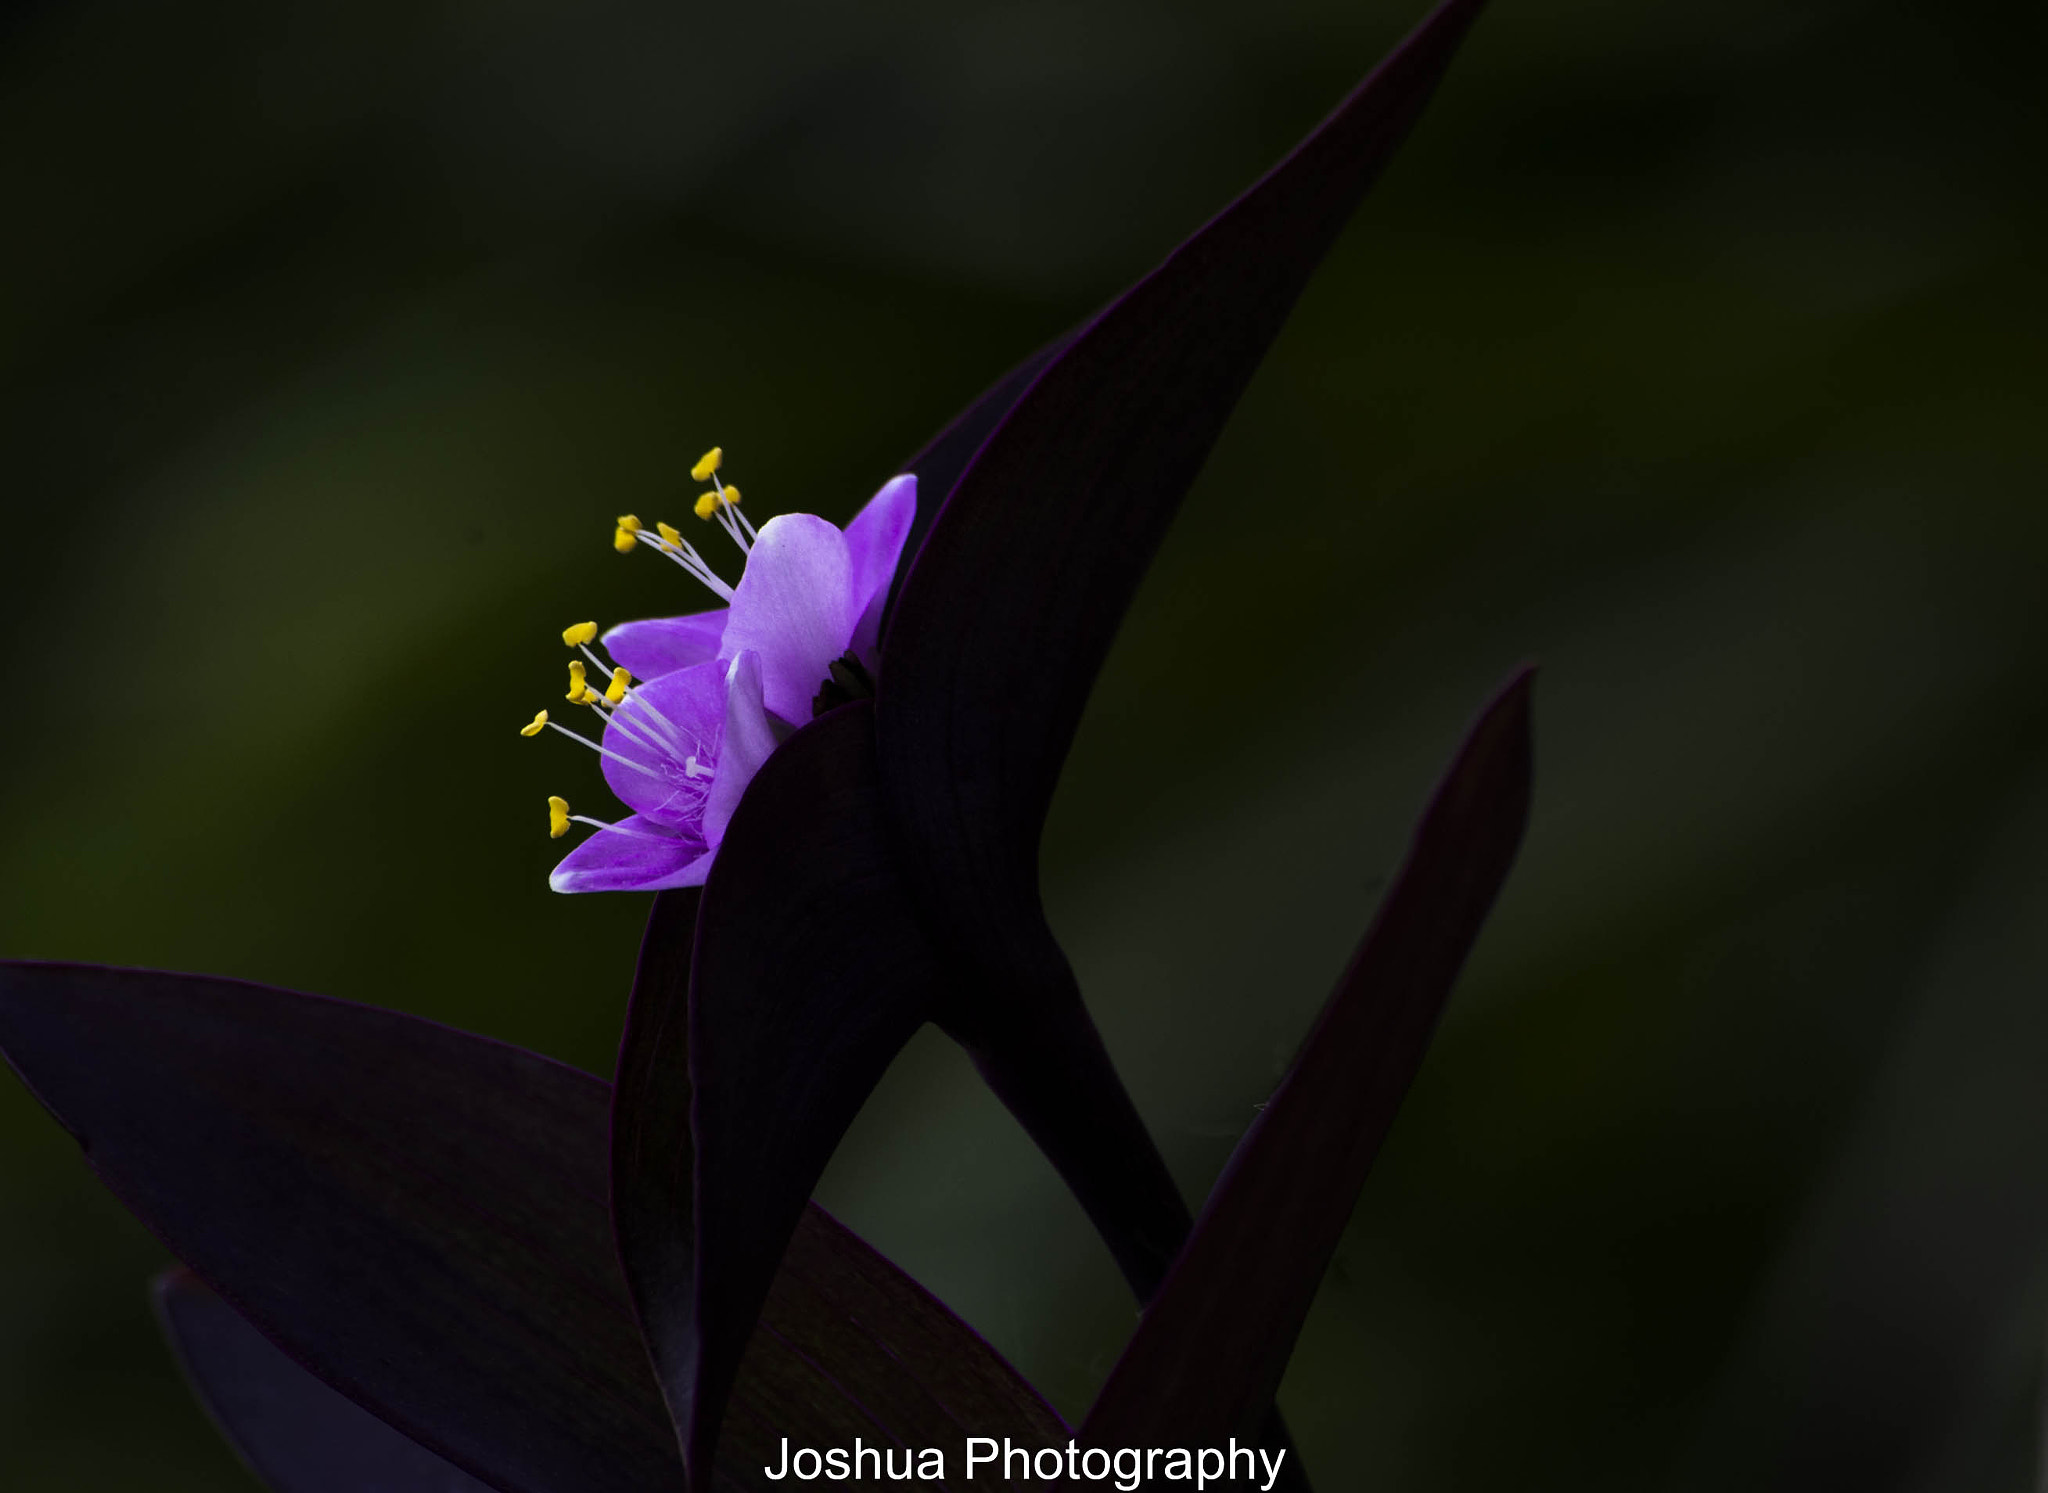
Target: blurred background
[1693,350]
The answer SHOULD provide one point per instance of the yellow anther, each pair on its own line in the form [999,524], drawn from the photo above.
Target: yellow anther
[558,817]
[538,724]
[671,533]
[629,523]
[708,463]
[580,634]
[579,689]
[616,690]
[731,496]
[707,505]
[623,539]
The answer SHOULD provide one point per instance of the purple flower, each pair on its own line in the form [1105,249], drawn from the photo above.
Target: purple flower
[678,751]
[445,1260]
[810,594]
[721,688]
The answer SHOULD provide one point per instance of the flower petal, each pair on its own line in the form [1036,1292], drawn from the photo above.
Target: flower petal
[874,541]
[749,738]
[1209,1352]
[635,855]
[794,607]
[652,736]
[661,645]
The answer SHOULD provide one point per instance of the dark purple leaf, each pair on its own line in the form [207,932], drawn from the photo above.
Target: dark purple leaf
[849,1346]
[416,1215]
[939,465]
[653,1158]
[295,1434]
[1207,1357]
[1046,1062]
[1011,604]
[809,976]
[838,1314]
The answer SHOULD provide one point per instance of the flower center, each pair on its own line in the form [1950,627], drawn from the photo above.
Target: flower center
[683,761]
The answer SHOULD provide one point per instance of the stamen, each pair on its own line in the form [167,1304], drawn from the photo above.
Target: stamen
[533,727]
[558,817]
[668,541]
[602,751]
[686,556]
[713,505]
[729,514]
[637,834]
[579,688]
[579,634]
[631,729]
[616,690]
[674,743]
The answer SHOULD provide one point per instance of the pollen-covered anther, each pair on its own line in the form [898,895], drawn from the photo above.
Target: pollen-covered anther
[536,725]
[667,541]
[579,687]
[708,463]
[558,817]
[616,690]
[579,634]
[723,502]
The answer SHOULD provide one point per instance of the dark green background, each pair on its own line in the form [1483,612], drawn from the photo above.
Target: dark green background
[1693,349]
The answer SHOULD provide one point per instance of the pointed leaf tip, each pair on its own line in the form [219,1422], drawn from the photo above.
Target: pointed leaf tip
[1001,623]
[1004,618]
[1207,1357]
